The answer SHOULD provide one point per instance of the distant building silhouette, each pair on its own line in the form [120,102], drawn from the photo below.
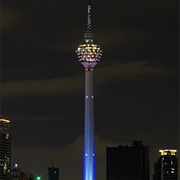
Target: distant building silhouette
[5,150]
[53,173]
[17,174]
[128,162]
[167,166]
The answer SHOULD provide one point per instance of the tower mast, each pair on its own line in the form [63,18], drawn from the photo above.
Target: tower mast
[89,16]
[89,54]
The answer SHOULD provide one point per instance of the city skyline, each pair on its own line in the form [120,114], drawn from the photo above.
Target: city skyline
[136,86]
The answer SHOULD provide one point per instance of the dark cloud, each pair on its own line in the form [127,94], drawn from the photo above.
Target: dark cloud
[66,85]
[9,18]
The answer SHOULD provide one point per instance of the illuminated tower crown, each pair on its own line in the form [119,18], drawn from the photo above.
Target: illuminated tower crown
[89,53]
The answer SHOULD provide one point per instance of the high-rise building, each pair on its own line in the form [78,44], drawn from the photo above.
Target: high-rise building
[89,54]
[167,166]
[128,162]
[5,150]
[53,173]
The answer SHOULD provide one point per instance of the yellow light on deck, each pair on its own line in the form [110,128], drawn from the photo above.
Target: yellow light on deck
[167,152]
[5,120]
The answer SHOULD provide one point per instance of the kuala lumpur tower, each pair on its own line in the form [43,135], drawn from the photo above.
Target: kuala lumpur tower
[89,54]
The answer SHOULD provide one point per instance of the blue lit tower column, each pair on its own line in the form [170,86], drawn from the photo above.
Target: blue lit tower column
[89,54]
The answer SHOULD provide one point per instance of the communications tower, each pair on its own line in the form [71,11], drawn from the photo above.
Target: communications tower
[89,54]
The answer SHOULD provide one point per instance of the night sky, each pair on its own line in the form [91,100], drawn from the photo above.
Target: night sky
[42,81]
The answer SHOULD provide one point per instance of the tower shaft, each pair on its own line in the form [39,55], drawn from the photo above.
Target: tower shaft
[89,139]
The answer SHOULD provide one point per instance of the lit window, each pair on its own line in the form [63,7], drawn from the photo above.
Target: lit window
[7,136]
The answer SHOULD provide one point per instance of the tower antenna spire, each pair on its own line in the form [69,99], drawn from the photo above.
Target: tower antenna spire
[89,20]
[52,162]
